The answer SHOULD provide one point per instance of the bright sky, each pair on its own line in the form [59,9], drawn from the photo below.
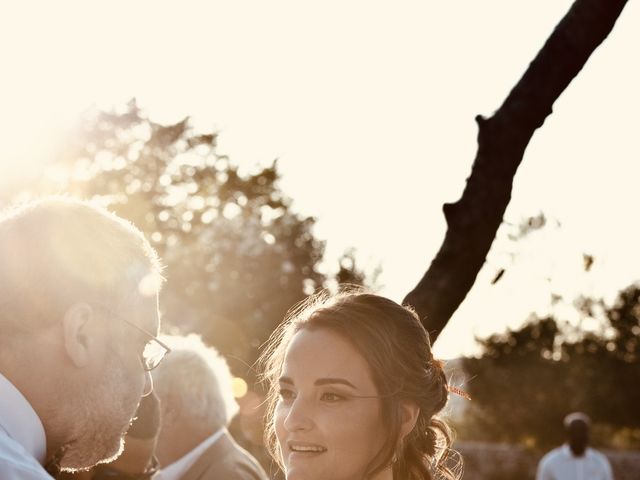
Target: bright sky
[369,107]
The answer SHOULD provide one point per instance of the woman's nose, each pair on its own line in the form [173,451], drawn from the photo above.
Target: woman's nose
[299,417]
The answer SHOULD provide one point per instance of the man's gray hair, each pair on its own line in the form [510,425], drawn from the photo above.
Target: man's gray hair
[58,250]
[195,380]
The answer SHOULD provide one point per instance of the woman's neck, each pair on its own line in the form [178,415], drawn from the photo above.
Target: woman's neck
[386,474]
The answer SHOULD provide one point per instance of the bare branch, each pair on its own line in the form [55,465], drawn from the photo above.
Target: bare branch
[502,139]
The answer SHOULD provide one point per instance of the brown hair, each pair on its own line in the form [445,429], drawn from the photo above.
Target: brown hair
[397,348]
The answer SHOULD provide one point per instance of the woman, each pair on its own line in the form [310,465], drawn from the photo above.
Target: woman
[353,392]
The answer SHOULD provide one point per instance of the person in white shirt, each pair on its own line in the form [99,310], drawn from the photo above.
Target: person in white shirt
[78,320]
[575,460]
[196,406]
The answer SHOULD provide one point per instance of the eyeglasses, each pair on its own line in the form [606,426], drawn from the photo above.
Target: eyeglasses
[154,350]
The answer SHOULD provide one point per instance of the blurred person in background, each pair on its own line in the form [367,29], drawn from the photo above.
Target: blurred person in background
[575,460]
[194,385]
[78,315]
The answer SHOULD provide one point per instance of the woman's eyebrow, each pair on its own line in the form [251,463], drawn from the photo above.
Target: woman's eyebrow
[322,381]
[329,381]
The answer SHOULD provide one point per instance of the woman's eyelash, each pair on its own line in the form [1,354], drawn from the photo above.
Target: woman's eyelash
[332,397]
[286,394]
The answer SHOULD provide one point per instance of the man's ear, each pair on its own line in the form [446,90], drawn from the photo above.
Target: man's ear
[409,416]
[77,323]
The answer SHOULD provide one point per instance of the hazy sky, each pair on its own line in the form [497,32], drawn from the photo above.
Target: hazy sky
[369,108]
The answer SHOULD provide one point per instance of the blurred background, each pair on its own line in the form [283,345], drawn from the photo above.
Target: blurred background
[271,148]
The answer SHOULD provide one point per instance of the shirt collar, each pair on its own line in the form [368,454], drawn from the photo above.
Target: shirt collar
[566,449]
[20,421]
[178,468]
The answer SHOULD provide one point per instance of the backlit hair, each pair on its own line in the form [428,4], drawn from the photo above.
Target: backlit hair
[57,251]
[396,346]
[194,379]
[576,417]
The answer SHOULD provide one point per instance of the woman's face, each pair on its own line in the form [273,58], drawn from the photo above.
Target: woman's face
[328,417]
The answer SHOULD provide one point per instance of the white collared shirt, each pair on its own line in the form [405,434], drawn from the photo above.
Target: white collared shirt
[22,438]
[178,468]
[561,464]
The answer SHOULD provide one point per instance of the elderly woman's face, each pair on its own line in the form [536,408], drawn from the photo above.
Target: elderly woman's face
[328,418]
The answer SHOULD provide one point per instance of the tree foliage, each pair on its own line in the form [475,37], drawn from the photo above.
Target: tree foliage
[237,256]
[528,379]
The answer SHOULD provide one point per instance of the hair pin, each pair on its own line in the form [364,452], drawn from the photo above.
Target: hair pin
[458,392]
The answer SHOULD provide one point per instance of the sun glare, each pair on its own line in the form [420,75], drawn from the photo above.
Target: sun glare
[239,386]
[374,131]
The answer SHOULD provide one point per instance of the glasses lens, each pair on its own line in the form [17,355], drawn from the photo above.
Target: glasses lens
[153,354]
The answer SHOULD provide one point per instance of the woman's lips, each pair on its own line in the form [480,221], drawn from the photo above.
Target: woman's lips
[305,448]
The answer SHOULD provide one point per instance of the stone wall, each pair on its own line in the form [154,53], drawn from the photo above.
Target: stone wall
[494,461]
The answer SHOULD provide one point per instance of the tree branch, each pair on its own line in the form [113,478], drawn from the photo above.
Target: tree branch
[473,220]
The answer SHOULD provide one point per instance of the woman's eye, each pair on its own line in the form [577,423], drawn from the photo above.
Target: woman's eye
[286,394]
[331,397]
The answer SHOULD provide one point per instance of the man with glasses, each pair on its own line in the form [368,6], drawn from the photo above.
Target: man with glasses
[78,324]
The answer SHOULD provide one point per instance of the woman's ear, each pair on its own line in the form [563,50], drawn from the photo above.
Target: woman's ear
[408,417]
[76,325]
